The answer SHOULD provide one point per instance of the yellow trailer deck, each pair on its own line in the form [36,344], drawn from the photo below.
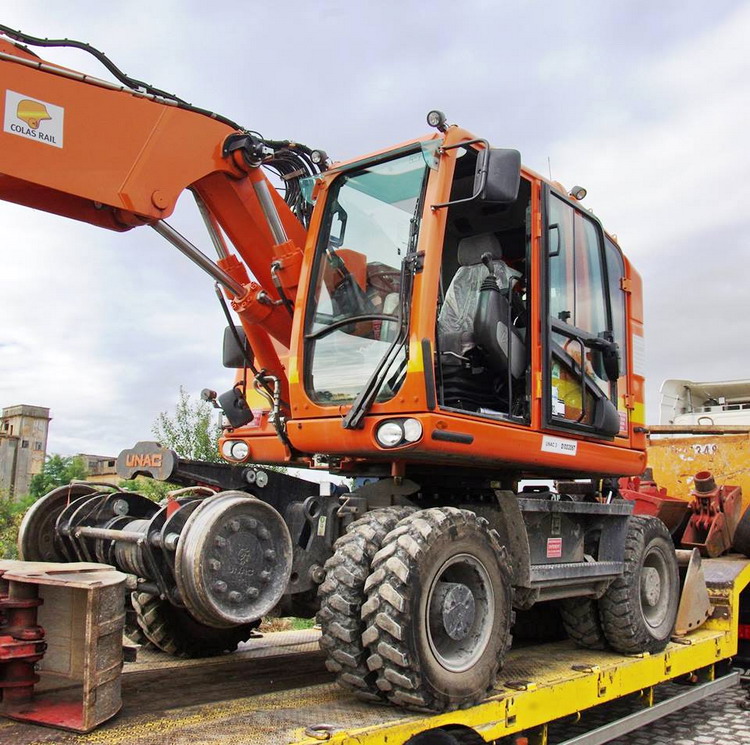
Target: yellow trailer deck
[277,690]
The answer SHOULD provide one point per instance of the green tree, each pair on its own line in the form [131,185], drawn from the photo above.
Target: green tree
[57,471]
[192,432]
[11,514]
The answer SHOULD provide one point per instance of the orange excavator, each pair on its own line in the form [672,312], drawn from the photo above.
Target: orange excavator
[434,321]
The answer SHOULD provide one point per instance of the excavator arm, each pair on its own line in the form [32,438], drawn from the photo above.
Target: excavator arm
[119,157]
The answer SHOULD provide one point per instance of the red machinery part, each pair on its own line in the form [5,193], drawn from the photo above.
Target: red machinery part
[22,642]
[716,513]
[653,500]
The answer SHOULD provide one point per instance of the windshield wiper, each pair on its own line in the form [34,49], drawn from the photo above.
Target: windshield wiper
[366,397]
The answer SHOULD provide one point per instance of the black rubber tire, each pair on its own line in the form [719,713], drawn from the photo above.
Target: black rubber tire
[133,630]
[177,633]
[398,634]
[342,595]
[741,539]
[580,617]
[625,623]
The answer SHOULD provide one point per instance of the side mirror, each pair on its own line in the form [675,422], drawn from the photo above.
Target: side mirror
[606,419]
[233,355]
[605,357]
[498,175]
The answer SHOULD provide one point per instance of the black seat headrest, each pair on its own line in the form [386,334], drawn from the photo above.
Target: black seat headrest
[471,249]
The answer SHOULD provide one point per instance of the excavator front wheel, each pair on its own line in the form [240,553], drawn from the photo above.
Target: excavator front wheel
[438,612]
[342,595]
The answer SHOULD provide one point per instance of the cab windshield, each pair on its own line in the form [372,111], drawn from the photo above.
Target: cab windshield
[356,314]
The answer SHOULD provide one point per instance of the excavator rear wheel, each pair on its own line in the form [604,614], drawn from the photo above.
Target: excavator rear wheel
[638,610]
[175,632]
[580,617]
[438,610]
[342,595]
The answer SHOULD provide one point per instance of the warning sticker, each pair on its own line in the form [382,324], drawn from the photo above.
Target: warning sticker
[554,548]
[33,119]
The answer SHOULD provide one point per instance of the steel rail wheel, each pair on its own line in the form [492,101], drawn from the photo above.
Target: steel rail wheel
[342,595]
[639,608]
[37,538]
[233,560]
[438,612]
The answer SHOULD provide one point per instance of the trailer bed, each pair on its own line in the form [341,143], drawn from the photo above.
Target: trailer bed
[276,690]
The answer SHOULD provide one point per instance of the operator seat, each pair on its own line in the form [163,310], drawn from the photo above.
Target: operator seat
[474,335]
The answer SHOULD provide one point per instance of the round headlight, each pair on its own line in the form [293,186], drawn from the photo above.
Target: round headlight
[389,434]
[235,449]
[412,429]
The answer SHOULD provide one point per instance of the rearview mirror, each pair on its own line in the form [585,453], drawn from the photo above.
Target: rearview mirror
[605,357]
[500,170]
[233,355]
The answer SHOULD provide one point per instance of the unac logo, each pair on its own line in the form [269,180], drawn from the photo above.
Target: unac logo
[32,112]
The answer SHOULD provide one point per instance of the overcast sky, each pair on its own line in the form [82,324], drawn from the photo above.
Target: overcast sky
[646,104]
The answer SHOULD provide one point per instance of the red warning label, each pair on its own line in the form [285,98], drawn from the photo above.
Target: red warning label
[554,548]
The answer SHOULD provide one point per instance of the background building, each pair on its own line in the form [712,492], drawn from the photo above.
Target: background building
[100,468]
[23,446]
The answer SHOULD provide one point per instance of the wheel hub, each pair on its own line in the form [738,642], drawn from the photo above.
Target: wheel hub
[457,608]
[650,586]
[460,612]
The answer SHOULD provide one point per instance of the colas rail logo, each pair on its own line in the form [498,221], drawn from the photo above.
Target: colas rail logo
[33,119]
[32,112]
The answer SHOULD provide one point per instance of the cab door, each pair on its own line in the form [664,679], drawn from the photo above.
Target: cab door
[582,356]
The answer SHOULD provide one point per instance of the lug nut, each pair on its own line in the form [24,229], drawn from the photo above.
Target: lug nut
[252,593]
[215,565]
[234,597]
[317,573]
[219,586]
[270,554]
[252,524]
[265,575]
[263,533]
[220,541]
[234,525]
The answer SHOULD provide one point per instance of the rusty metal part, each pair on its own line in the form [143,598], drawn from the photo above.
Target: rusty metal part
[695,606]
[21,643]
[651,499]
[716,513]
[233,559]
[76,659]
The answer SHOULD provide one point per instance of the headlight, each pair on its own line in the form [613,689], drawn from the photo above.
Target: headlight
[390,434]
[235,449]
[395,432]
[412,429]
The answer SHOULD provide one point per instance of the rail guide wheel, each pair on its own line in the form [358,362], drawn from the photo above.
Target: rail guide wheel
[439,610]
[38,539]
[233,560]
